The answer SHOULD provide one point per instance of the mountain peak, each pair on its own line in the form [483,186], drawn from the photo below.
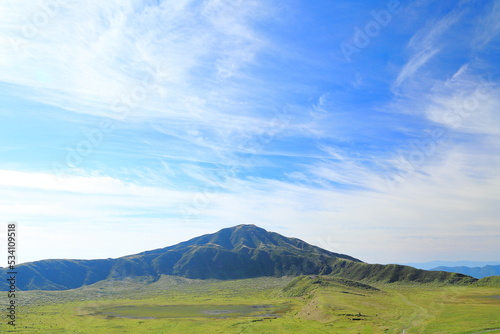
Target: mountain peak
[242,251]
[252,237]
[246,226]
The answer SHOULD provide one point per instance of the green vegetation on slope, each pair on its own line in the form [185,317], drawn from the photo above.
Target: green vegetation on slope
[393,273]
[303,285]
[493,281]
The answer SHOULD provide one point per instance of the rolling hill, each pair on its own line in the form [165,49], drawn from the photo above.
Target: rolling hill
[243,251]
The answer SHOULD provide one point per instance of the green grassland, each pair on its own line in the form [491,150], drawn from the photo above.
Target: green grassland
[304,304]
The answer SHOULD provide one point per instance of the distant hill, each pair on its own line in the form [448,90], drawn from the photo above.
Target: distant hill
[477,272]
[243,251]
[433,264]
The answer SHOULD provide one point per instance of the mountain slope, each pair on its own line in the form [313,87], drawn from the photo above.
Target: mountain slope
[490,281]
[243,251]
[477,272]
[392,273]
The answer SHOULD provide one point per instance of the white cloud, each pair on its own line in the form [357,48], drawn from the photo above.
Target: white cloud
[466,103]
[86,56]
[425,44]
[488,26]
[414,64]
[43,197]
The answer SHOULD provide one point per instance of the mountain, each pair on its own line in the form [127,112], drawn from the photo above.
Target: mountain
[433,264]
[243,251]
[477,272]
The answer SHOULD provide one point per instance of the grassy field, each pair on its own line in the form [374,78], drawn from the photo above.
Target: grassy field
[261,305]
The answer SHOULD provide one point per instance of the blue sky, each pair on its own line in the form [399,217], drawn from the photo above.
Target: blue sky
[369,128]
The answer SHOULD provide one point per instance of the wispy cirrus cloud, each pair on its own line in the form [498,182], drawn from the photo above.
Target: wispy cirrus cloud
[425,44]
[488,27]
[115,46]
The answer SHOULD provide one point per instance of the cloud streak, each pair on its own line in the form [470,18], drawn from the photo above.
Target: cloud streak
[87,66]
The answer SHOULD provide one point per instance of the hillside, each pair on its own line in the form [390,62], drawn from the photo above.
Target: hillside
[491,281]
[243,251]
[392,273]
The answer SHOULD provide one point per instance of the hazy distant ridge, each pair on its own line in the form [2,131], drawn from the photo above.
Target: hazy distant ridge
[477,272]
[434,264]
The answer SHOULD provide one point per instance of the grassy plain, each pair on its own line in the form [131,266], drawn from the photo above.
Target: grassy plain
[260,305]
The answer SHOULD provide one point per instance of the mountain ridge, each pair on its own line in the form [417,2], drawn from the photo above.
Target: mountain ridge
[242,251]
[477,272]
[439,263]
